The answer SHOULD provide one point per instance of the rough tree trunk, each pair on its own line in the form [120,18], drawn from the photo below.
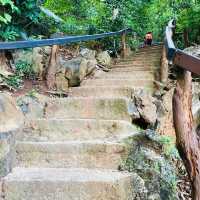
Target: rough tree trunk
[186,38]
[124,49]
[186,138]
[52,68]
[164,67]
[3,62]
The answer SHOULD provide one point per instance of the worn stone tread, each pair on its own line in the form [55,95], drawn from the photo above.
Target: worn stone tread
[67,184]
[43,130]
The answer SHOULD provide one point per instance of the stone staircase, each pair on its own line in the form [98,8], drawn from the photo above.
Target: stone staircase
[72,150]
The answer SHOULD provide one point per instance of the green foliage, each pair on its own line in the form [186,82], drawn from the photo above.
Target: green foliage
[186,12]
[17,16]
[24,69]
[149,162]
[14,81]
[94,16]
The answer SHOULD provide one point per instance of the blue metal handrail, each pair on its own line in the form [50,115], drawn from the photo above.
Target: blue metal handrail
[58,41]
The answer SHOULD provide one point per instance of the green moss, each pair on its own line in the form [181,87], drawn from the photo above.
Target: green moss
[119,106]
[153,166]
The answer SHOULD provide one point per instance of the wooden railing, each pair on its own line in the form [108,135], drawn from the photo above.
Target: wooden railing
[177,56]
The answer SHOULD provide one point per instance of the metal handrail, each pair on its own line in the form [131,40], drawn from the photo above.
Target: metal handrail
[177,56]
[58,41]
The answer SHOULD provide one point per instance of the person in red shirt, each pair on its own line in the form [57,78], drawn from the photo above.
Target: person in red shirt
[148,39]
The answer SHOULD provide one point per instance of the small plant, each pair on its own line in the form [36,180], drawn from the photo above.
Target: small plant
[14,81]
[24,69]
[32,93]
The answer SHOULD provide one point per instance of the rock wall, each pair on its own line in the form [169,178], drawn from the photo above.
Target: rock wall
[11,120]
[151,158]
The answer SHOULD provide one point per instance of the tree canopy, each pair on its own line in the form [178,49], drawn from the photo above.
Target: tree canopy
[94,16]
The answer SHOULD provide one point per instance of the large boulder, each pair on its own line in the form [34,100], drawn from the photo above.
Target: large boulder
[103,58]
[32,106]
[88,54]
[11,120]
[165,114]
[77,69]
[193,50]
[37,58]
[145,106]
[10,116]
[151,158]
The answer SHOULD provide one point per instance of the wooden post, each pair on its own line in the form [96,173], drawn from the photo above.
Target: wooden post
[124,50]
[164,67]
[52,68]
[186,38]
[3,61]
[186,138]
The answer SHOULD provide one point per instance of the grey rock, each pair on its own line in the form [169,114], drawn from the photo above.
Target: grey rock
[38,58]
[88,54]
[32,107]
[193,50]
[11,121]
[104,59]
[145,106]
[147,160]
[77,69]
[132,110]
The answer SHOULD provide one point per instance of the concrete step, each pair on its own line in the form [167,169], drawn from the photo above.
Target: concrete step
[71,154]
[85,108]
[151,52]
[105,91]
[43,130]
[121,74]
[154,53]
[139,62]
[141,58]
[126,76]
[150,49]
[118,82]
[102,91]
[67,184]
[138,66]
[132,69]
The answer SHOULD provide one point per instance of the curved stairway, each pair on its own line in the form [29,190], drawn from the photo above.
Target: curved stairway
[73,150]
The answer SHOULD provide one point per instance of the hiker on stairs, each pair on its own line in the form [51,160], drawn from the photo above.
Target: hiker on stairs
[148,39]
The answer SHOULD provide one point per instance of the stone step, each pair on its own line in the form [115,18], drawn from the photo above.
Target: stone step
[84,108]
[137,66]
[151,49]
[144,54]
[132,69]
[139,62]
[43,130]
[141,58]
[102,91]
[118,82]
[105,91]
[134,74]
[68,184]
[151,52]
[69,154]
[126,76]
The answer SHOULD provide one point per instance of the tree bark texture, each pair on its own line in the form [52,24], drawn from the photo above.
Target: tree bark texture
[186,38]
[52,68]
[164,67]
[3,62]
[186,139]
[124,49]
